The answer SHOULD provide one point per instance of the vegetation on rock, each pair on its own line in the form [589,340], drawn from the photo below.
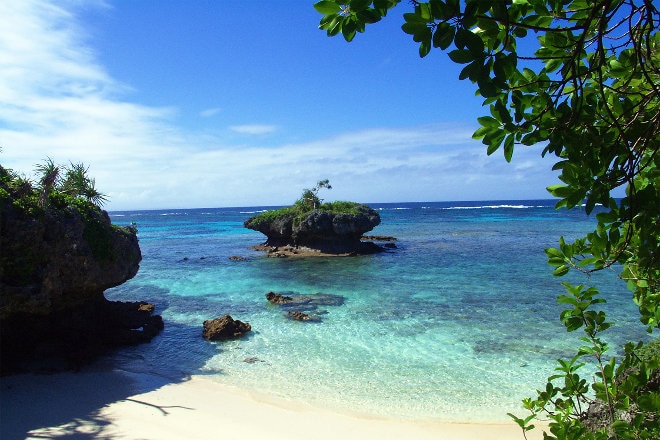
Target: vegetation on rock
[581,78]
[324,228]
[60,190]
[308,202]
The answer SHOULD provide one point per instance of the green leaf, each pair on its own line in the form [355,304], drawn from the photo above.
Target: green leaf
[466,39]
[443,36]
[359,5]
[349,28]
[650,402]
[508,147]
[494,140]
[471,71]
[483,131]
[554,253]
[559,190]
[424,11]
[461,56]
[561,270]
[424,48]
[419,31]
[488,121]
[414,18]
[439,9]
[369,16]
[332,25]
[327,7]
[553,64]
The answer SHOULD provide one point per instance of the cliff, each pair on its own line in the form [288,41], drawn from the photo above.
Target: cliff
[55,264]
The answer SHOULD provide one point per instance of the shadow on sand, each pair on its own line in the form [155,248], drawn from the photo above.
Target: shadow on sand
[67,405]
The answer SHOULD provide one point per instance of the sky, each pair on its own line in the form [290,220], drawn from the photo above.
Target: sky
[199,104]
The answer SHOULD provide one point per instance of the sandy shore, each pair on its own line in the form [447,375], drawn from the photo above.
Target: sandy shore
[120,405]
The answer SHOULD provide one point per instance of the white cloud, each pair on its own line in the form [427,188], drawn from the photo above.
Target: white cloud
[210,112]
[254,129]
[57,101]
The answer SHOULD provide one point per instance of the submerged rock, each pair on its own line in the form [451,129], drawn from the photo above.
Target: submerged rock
[224,328]
[297,307]
[309,302]
[301,316]
[278,298]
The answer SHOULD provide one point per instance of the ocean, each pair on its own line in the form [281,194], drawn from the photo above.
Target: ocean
[458,323]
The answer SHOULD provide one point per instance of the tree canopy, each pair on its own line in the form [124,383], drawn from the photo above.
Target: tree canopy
[581,78]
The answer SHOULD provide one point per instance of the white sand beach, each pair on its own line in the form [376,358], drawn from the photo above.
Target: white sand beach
[120,405]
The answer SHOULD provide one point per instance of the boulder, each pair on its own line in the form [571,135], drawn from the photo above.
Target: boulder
[224,328]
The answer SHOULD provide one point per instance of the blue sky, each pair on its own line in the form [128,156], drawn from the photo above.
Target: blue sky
[181,104]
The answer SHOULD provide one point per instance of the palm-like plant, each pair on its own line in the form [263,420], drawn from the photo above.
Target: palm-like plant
[93,195]
[49,175]
[78,184]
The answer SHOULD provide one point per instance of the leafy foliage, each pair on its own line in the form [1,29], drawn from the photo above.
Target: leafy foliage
[52,192]
[308,202]
[51,185]
[582,78]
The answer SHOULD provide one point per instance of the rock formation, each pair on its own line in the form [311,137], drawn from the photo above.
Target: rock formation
[301,316]
[298,306]
[225,327]
[278,298]
[328,233]
[55,264]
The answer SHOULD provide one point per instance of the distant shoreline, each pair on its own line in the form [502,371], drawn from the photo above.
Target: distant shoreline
[452,204]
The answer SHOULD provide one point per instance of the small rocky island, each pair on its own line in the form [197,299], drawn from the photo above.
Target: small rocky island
[312,228]
[59,252]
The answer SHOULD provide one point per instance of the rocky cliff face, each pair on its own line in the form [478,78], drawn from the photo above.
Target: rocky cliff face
[327,232]
[54,267]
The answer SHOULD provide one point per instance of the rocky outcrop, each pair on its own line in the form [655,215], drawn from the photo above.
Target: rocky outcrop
[278,298]
[301,316]
[224,328]
[326,232]
[298,307]
[55,264]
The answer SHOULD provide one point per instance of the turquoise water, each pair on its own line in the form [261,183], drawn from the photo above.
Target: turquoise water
[458,323]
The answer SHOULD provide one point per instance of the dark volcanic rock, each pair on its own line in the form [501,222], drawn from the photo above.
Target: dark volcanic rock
[298,306]
[309,302]
[69,338]
[329,233]
[278,298]
[301,316]
[60,259]
[378,238]
[55,265]
[225,327]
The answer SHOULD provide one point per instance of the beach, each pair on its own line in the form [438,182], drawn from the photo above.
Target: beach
[113,404]
[430,340]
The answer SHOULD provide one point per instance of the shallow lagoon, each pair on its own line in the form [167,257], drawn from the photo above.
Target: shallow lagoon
[459,323]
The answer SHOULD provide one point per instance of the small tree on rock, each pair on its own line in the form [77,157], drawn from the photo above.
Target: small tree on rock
[310,199]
